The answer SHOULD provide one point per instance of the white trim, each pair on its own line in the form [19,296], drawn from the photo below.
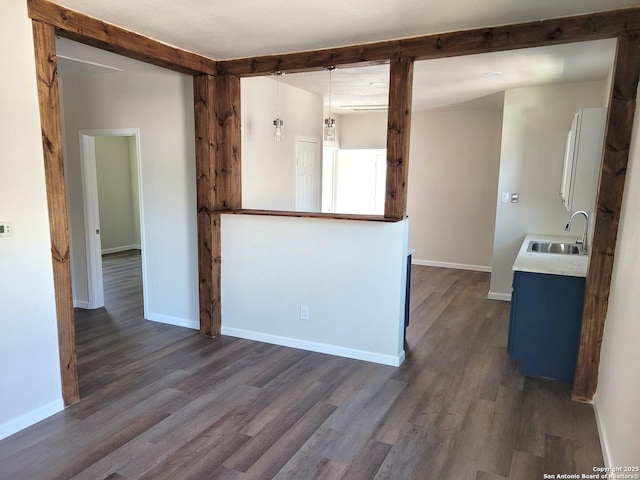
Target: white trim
[457,266]
[124,248]
[175,321]
[394,361]
[504,297]
[602,433]
[80,304]
[30,418]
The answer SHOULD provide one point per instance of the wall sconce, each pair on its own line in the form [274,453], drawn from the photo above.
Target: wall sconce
[278,124]
[330,122]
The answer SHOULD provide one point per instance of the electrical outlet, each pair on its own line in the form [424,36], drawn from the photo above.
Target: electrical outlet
[304,312]
[5,229]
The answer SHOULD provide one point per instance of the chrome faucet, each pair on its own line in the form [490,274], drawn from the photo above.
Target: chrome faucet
[584,241]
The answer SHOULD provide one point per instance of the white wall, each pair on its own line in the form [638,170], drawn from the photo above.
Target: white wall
[453,176]
[618,394]
[268,167]
[606,93]
[160,104]
[534,132]
[350,274]
[30,374]
[116,177]
[364,130]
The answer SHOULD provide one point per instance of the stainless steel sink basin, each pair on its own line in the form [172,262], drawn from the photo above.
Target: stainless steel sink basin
[561,248]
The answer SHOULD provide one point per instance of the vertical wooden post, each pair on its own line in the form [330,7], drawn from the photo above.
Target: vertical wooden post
[228,168]
[47,79]
[398,131]
[217,126]
[608,205]
[208,246]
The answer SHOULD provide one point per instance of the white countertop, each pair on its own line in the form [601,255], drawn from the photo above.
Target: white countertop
[552,263]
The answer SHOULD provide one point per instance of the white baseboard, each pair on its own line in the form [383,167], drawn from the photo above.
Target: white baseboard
[81,304]
[505,297]
[176,321]
[602,433]
[124,248]
[394,361]
[457,266]
[30,418]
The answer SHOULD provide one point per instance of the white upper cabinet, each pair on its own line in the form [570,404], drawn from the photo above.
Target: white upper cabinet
[582,160]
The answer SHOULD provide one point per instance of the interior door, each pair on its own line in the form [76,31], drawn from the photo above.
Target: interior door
[308,175]
[92,221]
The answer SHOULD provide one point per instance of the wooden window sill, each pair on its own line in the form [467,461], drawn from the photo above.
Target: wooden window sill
[332,216]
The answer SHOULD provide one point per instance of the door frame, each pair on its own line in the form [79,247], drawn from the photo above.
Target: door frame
[95,287]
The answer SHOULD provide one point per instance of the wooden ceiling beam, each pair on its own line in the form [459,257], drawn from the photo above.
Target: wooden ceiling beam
[91,31]
[555,31]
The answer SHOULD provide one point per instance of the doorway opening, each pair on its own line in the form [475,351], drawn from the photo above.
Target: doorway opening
[112,194]
[354,180]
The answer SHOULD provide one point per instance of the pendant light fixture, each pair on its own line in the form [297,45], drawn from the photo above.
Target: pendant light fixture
[278,124]
[330,122]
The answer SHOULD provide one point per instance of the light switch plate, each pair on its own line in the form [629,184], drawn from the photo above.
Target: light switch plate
[504,198]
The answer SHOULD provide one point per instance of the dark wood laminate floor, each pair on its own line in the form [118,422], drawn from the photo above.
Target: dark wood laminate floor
[162,402]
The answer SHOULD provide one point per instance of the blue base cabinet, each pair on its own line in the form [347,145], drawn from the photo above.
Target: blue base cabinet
[544,324]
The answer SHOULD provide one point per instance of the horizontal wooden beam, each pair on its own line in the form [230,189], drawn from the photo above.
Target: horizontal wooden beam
[580,28]
[91,31]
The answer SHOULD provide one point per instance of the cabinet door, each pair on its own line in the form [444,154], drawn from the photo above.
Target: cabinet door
[566,192]
[582,158]
[546,324]
[588,156]
[512,317]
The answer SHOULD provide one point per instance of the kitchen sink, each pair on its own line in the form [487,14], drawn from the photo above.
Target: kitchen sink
[548,247]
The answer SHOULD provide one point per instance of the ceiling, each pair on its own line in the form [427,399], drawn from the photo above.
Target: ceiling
[244,28]
[223,29]
[469,82]
[473,81]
